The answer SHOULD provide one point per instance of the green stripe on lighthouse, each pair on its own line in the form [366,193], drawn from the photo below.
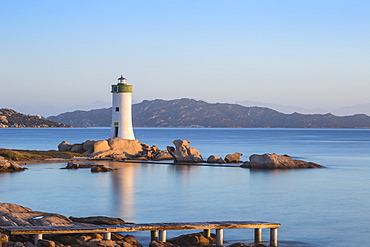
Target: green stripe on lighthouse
[122,88]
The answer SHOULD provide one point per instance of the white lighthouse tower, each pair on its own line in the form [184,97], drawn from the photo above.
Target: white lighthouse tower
[121,110]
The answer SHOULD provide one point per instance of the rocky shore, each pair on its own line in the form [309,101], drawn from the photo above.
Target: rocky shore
[117,149]
[9,166]
[182,153]
[17,215]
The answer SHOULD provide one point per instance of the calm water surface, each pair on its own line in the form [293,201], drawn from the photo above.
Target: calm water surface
[316,207]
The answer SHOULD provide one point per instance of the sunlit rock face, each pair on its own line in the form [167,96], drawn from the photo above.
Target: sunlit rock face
[215,159]
[275,161]
[184,153]
[9,166]
[233,158]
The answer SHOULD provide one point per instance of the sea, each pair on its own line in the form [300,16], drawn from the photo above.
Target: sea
[315,207]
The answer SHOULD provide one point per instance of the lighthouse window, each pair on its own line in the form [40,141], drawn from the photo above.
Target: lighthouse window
[117,108]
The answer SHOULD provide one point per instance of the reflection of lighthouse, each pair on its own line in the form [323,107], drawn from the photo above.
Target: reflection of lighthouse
[121,110]
[124,187]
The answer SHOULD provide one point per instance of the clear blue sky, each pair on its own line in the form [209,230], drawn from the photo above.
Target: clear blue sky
[312,53]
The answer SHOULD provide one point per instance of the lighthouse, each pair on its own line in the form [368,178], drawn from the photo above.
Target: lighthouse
[121,110]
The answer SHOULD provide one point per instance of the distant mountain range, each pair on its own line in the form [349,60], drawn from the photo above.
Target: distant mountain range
[288,109]
[11,118]
[190,112]
[343,111]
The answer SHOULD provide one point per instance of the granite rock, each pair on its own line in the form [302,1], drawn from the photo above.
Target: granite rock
[184,153]
[10,166]
[215,159]
[233,158]
[275,161]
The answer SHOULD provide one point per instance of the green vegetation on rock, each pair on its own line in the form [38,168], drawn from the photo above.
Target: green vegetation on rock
[20,155]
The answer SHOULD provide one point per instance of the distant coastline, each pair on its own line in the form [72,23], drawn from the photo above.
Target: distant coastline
[188,113]
[185,112]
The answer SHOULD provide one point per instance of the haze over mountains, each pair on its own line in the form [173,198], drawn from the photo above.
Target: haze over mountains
[51,110]
[342,111]
[189,112]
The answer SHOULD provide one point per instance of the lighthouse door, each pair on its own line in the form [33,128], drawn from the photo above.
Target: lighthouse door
[116,131]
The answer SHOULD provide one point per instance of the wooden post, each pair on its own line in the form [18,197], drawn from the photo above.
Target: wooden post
[37,238]
[219,237]
[162,235]
[154,236]
[108,235]
[258,235]
[207,233]
[273,237]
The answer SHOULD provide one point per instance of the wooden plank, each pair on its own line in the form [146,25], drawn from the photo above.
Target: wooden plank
[138,227]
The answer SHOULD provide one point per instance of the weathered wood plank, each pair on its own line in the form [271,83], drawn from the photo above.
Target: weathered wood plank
[138,227]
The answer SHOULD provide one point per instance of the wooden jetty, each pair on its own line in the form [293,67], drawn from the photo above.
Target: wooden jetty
[158,230]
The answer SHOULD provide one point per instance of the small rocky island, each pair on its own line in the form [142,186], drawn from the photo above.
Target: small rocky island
[182,153]
[117,149]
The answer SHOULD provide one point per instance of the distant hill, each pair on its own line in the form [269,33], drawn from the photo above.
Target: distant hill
[189,112]
[11,118]
[359,108]
[93,118]
[287,109]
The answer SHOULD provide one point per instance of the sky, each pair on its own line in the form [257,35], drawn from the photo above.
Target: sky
[309,53]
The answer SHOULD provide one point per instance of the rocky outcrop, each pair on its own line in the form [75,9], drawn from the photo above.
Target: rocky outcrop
[183,153]
[248,245]
[98,220]
[162,244]
[64,146]
[10,118]
[101,168]
[162,155]
[275,161]
[3,239]
[115,148]
[93,167]
[195,239]
[215,159]
[233,158]
[9,166]
[16,215]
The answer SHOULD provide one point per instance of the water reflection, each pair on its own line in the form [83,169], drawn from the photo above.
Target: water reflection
[183,173]
[124,190]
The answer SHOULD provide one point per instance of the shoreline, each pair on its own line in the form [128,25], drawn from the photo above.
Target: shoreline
[88,160]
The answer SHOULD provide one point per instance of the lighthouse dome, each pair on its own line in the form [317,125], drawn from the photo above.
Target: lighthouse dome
[122,79]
